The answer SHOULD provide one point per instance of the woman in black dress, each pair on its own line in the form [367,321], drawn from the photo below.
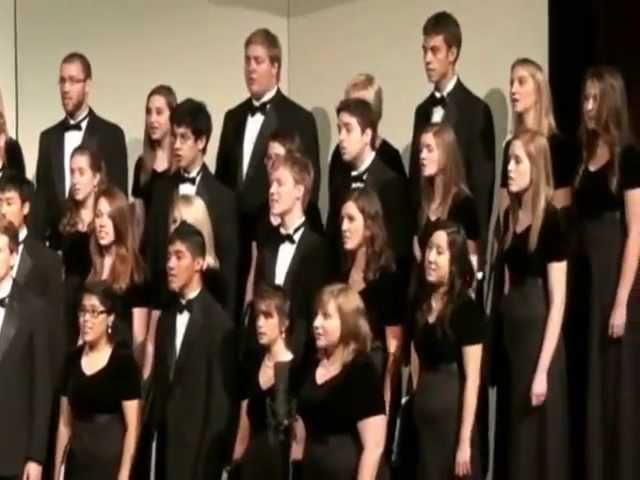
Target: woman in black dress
[446,356]
[370,270]
[444,192]
[341,402]
[11,157]
[608,213]
[157,149]
[114,258]
[88,176]
[531,418]
[533,110]
[100,405]
[263,443]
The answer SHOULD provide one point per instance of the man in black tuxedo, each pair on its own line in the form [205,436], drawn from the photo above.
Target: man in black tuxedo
[451,101]
[25,376]
[294,256]
[357,131]
[246,129]
[80,125]
[191,124]
[194,405]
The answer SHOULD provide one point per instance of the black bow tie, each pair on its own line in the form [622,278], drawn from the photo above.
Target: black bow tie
[191,179]
[260,108]
[4,302]
[68,126]
[358,180]
[185,306]
[289,237]
[439,101]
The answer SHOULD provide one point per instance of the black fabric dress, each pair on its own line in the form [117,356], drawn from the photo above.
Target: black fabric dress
[437,403]
[134,296]
[98,428]
[613,382]
[331,412]
[143,191]
[531,442]
[270,413]
[76,261]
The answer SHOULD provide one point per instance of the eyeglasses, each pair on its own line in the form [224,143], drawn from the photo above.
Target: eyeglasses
[91,313]
[71,81]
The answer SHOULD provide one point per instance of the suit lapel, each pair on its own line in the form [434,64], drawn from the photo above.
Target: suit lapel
[239,140]
[451,112]
[190,335]
[57,156]
[9,327]
[201,189]
[295,261]
[25,264]
[268,126]
[171,344]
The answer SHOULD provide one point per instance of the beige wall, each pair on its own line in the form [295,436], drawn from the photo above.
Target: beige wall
[196,46]
[7,66]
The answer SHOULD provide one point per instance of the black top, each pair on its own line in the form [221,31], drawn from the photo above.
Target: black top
[76,257]
[14,159]
[552,246]
[594,196]
[104,391]
[437,344]
[143,192]
[383,298]
[564,160]
[462,211]
[386,152]
[337,405]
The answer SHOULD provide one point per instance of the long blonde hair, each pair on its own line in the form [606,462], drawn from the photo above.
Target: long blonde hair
[453,173]
[355,333]
[612,120]
[536,148]
[193,210]
[544,121]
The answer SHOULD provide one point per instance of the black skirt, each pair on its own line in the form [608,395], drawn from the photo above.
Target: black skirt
[613,394]
[531,442]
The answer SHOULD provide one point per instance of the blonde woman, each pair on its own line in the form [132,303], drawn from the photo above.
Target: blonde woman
[341,403]
[532,430]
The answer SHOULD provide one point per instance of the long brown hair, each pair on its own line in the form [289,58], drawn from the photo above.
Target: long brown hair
[453,173]
[71,219]
[355,333]
[536,147]
[169,95]
[612,120]
[544,121]
[128,267]
[379,254]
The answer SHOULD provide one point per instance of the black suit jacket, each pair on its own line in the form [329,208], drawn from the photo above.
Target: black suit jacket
[40,272]
[25,383]
[223,212]
[309,271]
[472,122]
[283,114]
[194,405]
[393,194]
[105,137]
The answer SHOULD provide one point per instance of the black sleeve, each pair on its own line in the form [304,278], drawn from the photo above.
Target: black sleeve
[41,218]
[224,162]
[128,376]
[42,391]
[630,169]
[505,164]
[469,323]
[553,237]
[136,187]
[14,156]
[466,215]
[309,137]
[119,171]
[226,232]
[391,299]
[70,364]
[366,392]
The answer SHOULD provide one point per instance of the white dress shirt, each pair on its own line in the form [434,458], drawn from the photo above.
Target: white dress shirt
[286,252]
[5,290]
[72,139]
[251,130]
[182,321]
[437,114]
[362,170]
[188,188]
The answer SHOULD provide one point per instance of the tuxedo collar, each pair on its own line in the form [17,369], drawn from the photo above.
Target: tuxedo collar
[267,97]
[450,86]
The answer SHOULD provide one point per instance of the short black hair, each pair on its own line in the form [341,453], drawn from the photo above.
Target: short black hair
[104,292]
[16,182]
[445,24]
[191,237]
[193,114]
[82,59]
[363,112]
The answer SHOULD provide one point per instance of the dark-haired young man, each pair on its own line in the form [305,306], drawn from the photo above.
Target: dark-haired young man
[191,124]
[194,404]
[452,102]
[80,125]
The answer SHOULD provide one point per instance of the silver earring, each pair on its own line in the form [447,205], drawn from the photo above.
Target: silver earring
[109,329]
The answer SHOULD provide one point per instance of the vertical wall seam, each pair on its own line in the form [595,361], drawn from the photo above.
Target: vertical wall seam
[15,67]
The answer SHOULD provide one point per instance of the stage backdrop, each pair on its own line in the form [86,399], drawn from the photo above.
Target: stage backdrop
[197,47]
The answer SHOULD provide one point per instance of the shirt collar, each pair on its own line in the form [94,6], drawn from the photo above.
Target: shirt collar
[191,296]
[295,227]
[82,119]
[365,165]
[266,97]
[447,90]
[5,286]
[22,234]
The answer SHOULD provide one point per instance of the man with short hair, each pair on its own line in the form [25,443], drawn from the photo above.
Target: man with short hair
[452,102]
[80,125]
